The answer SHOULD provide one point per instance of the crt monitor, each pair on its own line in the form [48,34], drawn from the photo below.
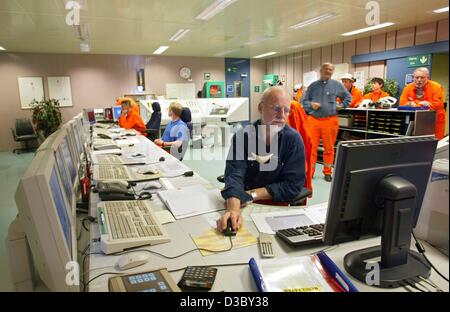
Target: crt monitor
[89,116]
[117,111]
[72,144]
[378,188]
[64,150]
[77,138]
[48,226]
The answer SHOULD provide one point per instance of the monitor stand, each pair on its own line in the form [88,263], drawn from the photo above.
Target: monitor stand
[397,197]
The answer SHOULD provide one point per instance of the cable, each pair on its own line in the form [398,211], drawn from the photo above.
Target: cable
[421,249]
[177,256]
[414,286]
[94,278]
[186,174]
[142,195]
[431,283]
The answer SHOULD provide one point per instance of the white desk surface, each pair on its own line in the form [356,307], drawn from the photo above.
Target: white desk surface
[230,278]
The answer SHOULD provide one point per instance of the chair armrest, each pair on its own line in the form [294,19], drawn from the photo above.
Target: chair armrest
[221,178]
[14,134]
[304,194]
[151,131]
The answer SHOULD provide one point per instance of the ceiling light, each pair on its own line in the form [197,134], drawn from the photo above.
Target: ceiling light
[2,48]
[85,47]
[215,8]
[358,31]
[442,10]
[161,50]
[301,45]
[314,20]
[179,34]
[224,53]
[257,40]
[265,54]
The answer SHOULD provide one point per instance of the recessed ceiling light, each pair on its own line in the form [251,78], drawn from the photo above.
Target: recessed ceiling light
[215,8]
[179,34]
[161,50]
[224,53]
[314,20]
[301,45]
[265,54]
[257,40]
[442,10]
[2,48]
[358,31]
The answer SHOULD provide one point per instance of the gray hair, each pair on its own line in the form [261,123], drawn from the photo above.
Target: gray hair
[269,91]
[326,64]
[422,69]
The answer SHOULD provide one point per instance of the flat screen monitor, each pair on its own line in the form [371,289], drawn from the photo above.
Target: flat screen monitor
[117,111]
[67,156]
[63,173]
[90,116]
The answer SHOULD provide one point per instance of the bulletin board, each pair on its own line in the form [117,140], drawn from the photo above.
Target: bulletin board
[30,89]
[59,89]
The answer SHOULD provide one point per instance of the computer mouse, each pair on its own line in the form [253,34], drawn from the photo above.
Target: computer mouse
[152,186]
[148,171]
[229,230]
[132,260]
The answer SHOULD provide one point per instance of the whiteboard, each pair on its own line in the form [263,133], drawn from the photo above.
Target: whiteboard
[340,70]
[309,78]
[30,89]
[59,89]
[185,91]
[360,80]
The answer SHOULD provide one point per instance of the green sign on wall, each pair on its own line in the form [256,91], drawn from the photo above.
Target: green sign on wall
[419,60]
[256,89]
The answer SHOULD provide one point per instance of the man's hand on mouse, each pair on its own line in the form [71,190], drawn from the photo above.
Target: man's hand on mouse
[236,220]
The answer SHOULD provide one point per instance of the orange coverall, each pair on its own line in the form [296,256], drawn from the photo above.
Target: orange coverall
[133,119]
[374,96]
[297,120]
[298,95]
[357,97]
[432,93]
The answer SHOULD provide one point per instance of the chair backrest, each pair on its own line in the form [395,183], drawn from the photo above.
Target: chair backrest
[186,116]
[24,127]
[155,119]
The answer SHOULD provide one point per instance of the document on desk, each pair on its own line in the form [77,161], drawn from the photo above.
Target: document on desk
[108,151]
[128,141]
[191,201]
[271,222]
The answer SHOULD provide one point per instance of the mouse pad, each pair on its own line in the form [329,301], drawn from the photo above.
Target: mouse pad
[214,240]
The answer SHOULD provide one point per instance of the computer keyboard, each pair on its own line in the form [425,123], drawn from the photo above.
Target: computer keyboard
[129,224]
[109,159]
[302,235]
[113,173]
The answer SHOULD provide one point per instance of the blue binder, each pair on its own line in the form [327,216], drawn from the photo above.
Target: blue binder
[332,269]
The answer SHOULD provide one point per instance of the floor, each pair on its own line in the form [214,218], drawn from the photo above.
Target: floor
[208,162]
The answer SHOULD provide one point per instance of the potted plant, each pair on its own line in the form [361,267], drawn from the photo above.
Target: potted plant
[390,87]
[46,116]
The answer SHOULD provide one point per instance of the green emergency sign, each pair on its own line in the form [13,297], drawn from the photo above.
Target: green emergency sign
[419,60]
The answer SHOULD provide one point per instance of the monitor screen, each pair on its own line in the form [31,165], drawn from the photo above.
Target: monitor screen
[60,205]
[64,176]
[117,110]
[77,139]
[91,116]
[64,149]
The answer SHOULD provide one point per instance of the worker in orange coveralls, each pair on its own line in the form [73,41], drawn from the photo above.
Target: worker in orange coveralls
[377,91]
[319,102]
[298,90]
[349,83]
[130,117]
[297,119]
[424,92]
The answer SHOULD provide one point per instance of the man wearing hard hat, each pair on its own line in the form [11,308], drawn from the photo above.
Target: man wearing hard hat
[298,91]
[349,83]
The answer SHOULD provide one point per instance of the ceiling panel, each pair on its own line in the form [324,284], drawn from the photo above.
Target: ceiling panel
[246,28]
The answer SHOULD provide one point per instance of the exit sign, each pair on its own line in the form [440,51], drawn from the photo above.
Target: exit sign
[419,60]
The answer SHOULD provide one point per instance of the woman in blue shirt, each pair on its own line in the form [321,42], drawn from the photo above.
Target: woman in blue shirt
[176,132]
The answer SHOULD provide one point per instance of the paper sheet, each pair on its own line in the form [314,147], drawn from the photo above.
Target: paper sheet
[212,239]
[127,141]
[164,217]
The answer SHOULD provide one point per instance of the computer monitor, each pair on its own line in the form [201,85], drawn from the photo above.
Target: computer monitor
[117,111]
[72,145]
[378,188]
[89,116]
[47,142]
[64,150]
[48,226]
[76,136]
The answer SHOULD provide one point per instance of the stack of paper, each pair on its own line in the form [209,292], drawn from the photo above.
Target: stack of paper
[192,201]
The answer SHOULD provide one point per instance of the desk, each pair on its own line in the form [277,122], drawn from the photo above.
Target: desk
[230,278]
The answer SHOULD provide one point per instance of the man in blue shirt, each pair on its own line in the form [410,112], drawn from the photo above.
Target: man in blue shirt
[176,133]
[266,161]
[319,102]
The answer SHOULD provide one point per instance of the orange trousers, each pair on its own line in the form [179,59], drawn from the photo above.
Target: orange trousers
[326,129]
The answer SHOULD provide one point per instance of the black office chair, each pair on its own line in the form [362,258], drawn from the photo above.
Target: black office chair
[300,200]
[186,116]
[154,123]
[24,132]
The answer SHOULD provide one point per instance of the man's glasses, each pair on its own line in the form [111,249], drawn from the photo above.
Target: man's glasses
[278,109]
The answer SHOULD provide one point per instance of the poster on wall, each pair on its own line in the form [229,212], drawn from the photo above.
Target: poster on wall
[309,78]
[59,89]
[340,70]
[30,89]
[360,80]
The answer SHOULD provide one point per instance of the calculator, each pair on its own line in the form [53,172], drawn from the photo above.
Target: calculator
[201,277]
[153,281]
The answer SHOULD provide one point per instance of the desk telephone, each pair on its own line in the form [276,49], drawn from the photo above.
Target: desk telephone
[114,191]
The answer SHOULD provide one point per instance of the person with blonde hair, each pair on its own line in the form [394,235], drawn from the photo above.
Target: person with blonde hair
[176,132]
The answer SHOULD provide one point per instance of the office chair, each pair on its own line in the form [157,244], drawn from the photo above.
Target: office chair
[300,200]
[24,132]
[154,123]
[186,116]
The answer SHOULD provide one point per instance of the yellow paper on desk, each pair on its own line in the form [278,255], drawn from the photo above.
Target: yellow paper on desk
[212,239]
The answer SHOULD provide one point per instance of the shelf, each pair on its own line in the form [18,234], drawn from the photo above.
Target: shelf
[352,129]
[383,133]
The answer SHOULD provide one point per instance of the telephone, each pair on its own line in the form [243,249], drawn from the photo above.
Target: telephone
[114,191]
